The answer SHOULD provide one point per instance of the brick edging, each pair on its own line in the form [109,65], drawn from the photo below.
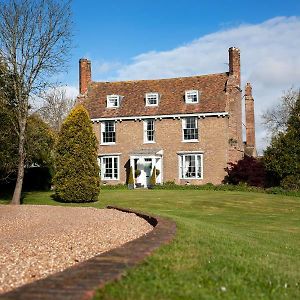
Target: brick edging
[80,281]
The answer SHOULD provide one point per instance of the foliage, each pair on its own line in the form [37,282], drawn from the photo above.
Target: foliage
[153,177]
[77,172]
[39,146]
[282,157]
[35,40]
[131,178]
[137,173]
[248,170]
[55,108]
[157,172]
[276,118]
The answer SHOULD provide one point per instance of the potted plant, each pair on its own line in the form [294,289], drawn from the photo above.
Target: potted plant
[153,178]
[137,173]
[157,172]
[131,179]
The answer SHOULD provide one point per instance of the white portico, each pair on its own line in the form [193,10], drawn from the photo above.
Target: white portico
[144,161]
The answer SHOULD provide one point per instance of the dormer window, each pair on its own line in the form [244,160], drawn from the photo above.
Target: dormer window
[152,99]
[191,96]
[113,101]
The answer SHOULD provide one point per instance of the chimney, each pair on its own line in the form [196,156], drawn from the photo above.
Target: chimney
[249,113]
[84,75]
[234,63]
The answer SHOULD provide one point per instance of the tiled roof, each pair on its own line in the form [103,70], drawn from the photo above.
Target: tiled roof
[172,91]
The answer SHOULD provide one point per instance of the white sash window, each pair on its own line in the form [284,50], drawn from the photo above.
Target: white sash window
[191,166]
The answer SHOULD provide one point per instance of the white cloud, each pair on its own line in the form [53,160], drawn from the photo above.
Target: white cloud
[269,57]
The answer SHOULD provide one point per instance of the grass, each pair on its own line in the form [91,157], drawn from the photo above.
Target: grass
[229,245]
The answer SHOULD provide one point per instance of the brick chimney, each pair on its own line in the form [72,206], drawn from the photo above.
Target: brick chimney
[235,63]
[249,114]
[84,75]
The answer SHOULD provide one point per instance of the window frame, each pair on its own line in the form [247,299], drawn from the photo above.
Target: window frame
[145,126]
[184,123]
[189,94]
[182,159]
[115,166]
[148,95]
[110,98]
[102,131]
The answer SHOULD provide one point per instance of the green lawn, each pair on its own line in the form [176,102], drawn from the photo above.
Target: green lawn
[229,245]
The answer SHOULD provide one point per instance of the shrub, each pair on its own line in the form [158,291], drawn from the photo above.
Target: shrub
[248,170]
[291,182]
[137,173]
[153,177]
[77,172]
[157,172]
[130,178]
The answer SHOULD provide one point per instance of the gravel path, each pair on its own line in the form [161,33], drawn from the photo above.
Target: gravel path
[36,241]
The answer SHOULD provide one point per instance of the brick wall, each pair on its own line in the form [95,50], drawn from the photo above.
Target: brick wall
[213,141]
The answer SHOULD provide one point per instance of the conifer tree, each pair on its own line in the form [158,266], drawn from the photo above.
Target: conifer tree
[77,172]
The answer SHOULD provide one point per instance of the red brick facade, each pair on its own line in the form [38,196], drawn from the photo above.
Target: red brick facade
[218,115]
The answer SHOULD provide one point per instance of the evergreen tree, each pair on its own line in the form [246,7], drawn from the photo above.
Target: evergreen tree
[283,155]
[77,171]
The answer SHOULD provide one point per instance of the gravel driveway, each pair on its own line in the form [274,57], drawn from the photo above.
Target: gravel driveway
[36,241]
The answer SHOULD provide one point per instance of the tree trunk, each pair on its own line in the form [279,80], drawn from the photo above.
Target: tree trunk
[16,199]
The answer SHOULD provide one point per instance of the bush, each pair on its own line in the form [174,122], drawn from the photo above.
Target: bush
[77,172]
[248,170]
[153,177]
[291,182]
[130,178]
[137,173]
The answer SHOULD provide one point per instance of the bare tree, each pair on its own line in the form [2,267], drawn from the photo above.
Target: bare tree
[276,118]
[56,106]
[35,39]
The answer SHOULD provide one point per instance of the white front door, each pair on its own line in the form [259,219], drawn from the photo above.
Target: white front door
[145,166]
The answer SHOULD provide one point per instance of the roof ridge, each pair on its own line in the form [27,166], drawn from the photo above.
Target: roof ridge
[159,79]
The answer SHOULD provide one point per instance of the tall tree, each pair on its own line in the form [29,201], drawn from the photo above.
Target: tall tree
[276,118]
[56,107]
[283,155]
[35,39]
[76,168]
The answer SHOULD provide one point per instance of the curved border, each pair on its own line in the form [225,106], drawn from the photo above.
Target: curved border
[80,281]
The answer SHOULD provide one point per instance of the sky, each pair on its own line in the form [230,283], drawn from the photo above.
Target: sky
[160,39]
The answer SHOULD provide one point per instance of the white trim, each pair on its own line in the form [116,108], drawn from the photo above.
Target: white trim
[180,160]
[118,166]
[191,152]
[199,115]
[113,97]
[187,100]
[183,126]
[109,154]
[148,95]
[102,127]
[145,122]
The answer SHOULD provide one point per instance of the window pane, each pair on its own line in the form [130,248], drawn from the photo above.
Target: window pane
[149,130]
[190,131]
[199,175]
[110,167]
[109,134]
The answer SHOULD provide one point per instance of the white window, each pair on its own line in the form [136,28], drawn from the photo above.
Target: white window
[152,99]
[191,166]
[108,132]
[109,167]
[190,129]
[149,131]
[192,96]
[113,101]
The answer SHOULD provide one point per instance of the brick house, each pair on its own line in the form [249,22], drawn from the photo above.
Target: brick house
[189,128]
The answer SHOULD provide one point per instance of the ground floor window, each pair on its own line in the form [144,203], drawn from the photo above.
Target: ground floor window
[109,167]
[191,166]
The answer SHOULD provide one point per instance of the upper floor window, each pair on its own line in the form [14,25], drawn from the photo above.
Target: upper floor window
[190,129]
[149,131]
[113,101]
[192,96]
[108,132]
[152,99]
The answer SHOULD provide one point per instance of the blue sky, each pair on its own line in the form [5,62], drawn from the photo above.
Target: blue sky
[154,39]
